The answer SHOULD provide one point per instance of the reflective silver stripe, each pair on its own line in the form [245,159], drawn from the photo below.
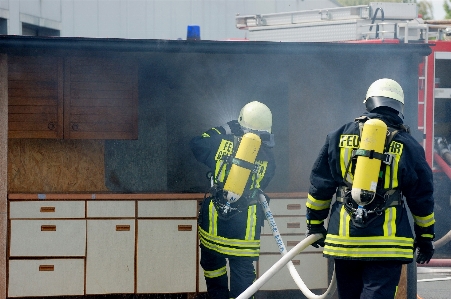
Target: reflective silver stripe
[424,221]
[228,242]
[251,222]
[376,240]
[227,129]
[213,219]
[316,204]
[390,222]
[215,273]
[344,222]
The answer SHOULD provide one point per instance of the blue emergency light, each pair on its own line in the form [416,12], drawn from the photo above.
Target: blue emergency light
[193,32]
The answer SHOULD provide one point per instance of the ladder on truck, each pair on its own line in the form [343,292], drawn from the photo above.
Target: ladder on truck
[378,20]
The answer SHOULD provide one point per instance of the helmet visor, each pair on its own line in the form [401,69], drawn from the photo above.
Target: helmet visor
[374,102]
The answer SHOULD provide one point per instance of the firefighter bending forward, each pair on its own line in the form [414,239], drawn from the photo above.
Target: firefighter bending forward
[229,228]
[369,235]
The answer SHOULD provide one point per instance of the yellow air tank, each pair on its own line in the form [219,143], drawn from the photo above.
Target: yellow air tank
[367,169]
[239,174]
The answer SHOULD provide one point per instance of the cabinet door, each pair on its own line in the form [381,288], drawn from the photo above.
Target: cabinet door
[100,98]
[166,260]
[35,97]
[110,256]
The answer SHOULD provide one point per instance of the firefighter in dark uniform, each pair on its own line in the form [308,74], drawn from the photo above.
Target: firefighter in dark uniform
[370,237]
[231,231]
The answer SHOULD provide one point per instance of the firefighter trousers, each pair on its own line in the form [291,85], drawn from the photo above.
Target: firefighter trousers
[367,279]
[242,274]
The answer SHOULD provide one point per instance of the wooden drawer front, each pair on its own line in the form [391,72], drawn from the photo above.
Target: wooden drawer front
[287,225]
[108,209]
[295,207]
[47,209]
[48,277]
[312,268]
[167,208]
[268,244]
[48,238]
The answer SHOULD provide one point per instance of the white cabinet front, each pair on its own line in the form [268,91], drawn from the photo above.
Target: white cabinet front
[46,277]
[48,238]
[166,259]
[110,256]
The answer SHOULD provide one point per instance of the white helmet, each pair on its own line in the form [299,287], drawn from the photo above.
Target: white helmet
[256,116]
[385,92]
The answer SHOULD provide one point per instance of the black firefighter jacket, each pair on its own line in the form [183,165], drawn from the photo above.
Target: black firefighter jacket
[238,236]
[389,236]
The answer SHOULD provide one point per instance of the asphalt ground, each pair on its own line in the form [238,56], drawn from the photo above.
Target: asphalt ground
[433,283]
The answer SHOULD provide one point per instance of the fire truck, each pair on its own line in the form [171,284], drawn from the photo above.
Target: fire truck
[383,22]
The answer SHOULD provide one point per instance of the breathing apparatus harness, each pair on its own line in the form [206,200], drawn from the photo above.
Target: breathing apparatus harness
[362,215]
[226,209]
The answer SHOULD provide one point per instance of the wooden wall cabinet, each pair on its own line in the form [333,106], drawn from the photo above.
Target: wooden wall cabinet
[72,97]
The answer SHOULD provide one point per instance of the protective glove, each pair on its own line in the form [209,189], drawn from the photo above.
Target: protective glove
[313,229]
[424,248]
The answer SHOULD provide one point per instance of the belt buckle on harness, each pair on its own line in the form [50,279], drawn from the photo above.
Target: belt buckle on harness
[388,159]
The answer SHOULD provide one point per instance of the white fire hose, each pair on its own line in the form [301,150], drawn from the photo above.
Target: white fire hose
[443,240]
[286,260]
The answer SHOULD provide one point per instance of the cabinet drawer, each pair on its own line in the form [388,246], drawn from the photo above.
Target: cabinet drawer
[47,209]
[268,244]
[48,238]
[287,225]
[110,209]
[312,269]
[48,277]
[167,208]
[295,207]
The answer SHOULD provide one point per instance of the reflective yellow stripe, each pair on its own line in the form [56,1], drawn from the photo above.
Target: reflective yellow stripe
[347,144]
[226,246]
[380,246]
[314,221]
[215,273]
[390,222]
[395,149]
[368,253]
[257,178]
[251,222]
[317,204]
[213,219]
[370,241]
[205,135]
[424,221]
[343,229]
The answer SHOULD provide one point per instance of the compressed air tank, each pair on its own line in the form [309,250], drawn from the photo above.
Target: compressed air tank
[367,168]
[239,172]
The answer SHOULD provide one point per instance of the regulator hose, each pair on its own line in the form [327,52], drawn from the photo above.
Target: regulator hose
[286,260]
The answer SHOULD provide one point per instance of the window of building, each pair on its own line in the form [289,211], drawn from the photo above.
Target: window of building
[3,26]
[32,30]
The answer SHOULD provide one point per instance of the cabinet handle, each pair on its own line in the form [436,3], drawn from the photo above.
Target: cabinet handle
[46,267]
[296,262]
[47,209]
[74,127]
[293,206]
[51,126]
[48,228]
[293,225]
[122,227]
[185,228]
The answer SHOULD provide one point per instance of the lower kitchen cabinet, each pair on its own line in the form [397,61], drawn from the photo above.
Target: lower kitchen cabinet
[46,277]
[166,259]
[110,256]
